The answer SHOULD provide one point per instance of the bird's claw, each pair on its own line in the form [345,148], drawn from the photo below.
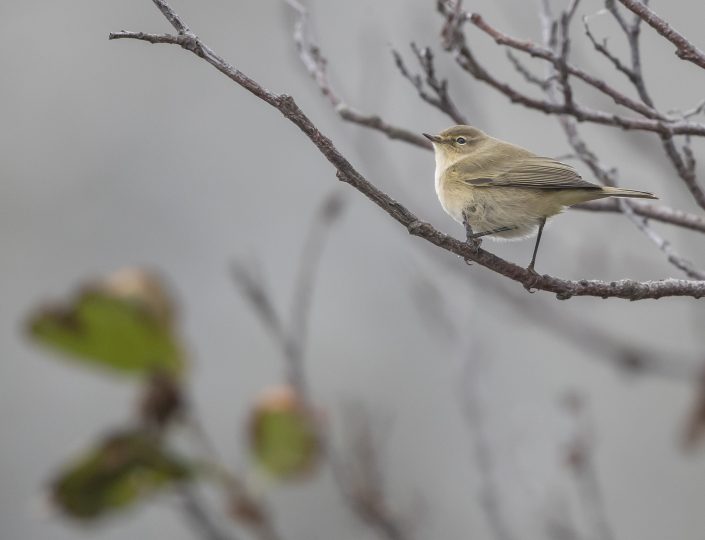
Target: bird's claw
[474,244]
[533,280]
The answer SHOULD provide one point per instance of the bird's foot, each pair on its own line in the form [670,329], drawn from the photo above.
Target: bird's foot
[474,244]
[533,280]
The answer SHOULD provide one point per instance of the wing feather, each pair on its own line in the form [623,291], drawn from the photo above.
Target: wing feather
[526,172]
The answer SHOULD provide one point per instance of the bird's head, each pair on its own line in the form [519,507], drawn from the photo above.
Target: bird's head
[456,141]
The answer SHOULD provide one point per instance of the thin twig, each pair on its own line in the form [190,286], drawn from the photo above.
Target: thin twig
[316,65]
[684,48]
[606,175]
[581,462]
[655,212]
[441,99]
[653,121]
[329,212]
[490,494]
[683,160]
[360,480]
[199,518]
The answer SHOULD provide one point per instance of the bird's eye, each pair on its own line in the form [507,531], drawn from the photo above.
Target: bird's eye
[461,140]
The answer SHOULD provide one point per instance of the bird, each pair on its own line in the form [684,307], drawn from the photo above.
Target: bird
[502,191]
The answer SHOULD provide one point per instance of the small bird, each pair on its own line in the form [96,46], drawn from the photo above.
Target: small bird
[503,191]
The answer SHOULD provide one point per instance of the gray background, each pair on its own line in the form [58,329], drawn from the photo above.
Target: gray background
[120,153]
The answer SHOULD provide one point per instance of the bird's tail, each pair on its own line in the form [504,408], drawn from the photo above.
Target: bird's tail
[619,192]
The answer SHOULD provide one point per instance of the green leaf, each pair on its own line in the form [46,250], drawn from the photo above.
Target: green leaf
[107,326]
[283,435]
[121,471]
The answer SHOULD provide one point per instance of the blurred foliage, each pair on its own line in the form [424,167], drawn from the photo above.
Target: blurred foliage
[123,323]
[126,323]
[283,434]
[120,471]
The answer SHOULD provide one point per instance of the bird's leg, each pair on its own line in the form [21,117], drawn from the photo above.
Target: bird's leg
[470,237]
[530,268]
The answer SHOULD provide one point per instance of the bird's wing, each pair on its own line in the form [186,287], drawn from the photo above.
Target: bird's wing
[530,172]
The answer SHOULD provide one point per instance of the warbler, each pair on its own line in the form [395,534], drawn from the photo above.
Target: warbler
[503,191]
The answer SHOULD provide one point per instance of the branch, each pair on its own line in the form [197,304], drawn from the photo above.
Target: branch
[360,478]
[316,65]
[199,518]
[605,175]
[545,54]
[490,494]
[656,212]
[364,495]
[564,289]
[580,458]
[684,48]
[684,163]
[442,100]
[292,338]
[328,213]
[653,121]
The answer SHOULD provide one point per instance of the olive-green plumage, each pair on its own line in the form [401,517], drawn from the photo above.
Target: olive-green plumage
[504,191]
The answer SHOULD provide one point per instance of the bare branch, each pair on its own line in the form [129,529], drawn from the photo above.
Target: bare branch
[656,212]
[684,163]
[564,289]
[360,478]
[606,175]
[199,518]
[525,72]
[253,288]
[329,212]
[684,48]
[604,51]
[172,17]
[654,121]
[292,339]
[316,65]
[490,495]
[580,459]
[442,100]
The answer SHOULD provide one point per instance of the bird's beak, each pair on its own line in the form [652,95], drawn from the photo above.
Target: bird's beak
[432,138]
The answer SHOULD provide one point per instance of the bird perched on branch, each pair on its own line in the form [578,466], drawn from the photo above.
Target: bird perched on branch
[503,191]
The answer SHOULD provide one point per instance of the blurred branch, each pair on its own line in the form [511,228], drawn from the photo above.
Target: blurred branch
[199,518]
[363,492]
[243,505]
[580,460]
[361,481]
[490,494]
[292,339]
[694,431]
[328,213]
[684,48]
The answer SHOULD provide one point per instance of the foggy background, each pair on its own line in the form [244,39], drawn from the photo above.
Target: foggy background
[121,153]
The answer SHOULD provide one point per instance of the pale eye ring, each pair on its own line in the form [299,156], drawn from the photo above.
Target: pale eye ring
[461,140]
